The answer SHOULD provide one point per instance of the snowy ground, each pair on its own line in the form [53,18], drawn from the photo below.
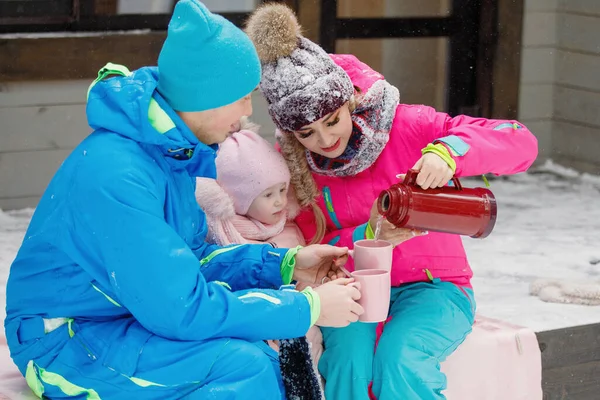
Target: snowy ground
[548,226]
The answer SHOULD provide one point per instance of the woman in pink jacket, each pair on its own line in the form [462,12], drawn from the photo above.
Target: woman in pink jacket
[346,137]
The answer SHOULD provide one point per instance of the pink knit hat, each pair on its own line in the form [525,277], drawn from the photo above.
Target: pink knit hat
[247,165]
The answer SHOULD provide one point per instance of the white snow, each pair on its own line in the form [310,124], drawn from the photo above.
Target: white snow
[12,230]
[548,227]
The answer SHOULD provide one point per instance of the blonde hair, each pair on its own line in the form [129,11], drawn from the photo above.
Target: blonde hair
[301,178]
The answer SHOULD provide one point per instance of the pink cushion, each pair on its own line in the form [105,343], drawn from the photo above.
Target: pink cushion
[497,361]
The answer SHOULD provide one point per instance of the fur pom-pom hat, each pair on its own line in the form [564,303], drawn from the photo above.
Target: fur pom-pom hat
[299,80]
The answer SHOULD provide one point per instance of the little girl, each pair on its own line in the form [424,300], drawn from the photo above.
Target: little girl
[250,203]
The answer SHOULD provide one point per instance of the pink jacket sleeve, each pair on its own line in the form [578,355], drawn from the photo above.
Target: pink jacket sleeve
[480,145]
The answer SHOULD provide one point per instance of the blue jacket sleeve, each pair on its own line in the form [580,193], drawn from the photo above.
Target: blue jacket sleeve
[120,229]
[243,266]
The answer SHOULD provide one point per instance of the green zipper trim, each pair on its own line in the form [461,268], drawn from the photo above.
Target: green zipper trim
[485,180]
[105,295]
[329,205]
[429,275]
[70,327]
[215,253]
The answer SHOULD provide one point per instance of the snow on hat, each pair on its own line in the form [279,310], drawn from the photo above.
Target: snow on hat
[206,62]
[299,80]
[246,166]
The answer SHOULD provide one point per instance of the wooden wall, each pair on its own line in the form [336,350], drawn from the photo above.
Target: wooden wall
[560,85]
[41,124]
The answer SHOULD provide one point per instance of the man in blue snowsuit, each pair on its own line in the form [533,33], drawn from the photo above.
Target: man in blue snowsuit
[114,293]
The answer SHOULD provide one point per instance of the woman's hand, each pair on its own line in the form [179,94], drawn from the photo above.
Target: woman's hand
[318,261]
[338,303]
[434,172]
[389,231]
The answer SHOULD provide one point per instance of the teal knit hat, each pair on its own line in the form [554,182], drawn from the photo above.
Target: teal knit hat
[206,62]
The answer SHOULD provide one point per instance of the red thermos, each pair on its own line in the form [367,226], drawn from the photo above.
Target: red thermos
[458,210]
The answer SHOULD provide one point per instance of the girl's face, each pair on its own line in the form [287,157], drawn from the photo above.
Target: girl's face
[268,207]
[329,135]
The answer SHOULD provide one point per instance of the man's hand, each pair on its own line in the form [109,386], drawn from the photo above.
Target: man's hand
[315,262]
[338,303]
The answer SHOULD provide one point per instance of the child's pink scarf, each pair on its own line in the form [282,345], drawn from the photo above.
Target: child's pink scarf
[226,227]
[251,229]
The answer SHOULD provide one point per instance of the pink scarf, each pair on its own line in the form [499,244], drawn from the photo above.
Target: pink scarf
[242,230]
[252,229]
[226,227]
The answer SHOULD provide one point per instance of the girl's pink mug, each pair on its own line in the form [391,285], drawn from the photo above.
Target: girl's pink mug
[372,254]
[375,288]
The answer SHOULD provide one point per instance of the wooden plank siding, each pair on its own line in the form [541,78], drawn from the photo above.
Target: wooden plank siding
[571,363]
[76,56]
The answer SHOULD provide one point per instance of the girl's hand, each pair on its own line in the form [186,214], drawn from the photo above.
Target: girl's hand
[434,172]
[389,231]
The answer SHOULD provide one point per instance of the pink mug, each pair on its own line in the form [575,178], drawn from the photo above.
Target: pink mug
[372,254]
[375,288]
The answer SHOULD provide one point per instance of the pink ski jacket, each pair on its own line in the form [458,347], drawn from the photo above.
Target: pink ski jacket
[478,146]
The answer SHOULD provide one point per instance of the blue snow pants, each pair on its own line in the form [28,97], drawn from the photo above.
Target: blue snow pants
[429,321]
[122,360]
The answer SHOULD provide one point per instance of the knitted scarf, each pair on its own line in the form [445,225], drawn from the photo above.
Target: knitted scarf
[251,229]
[371,125]
[300,377]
